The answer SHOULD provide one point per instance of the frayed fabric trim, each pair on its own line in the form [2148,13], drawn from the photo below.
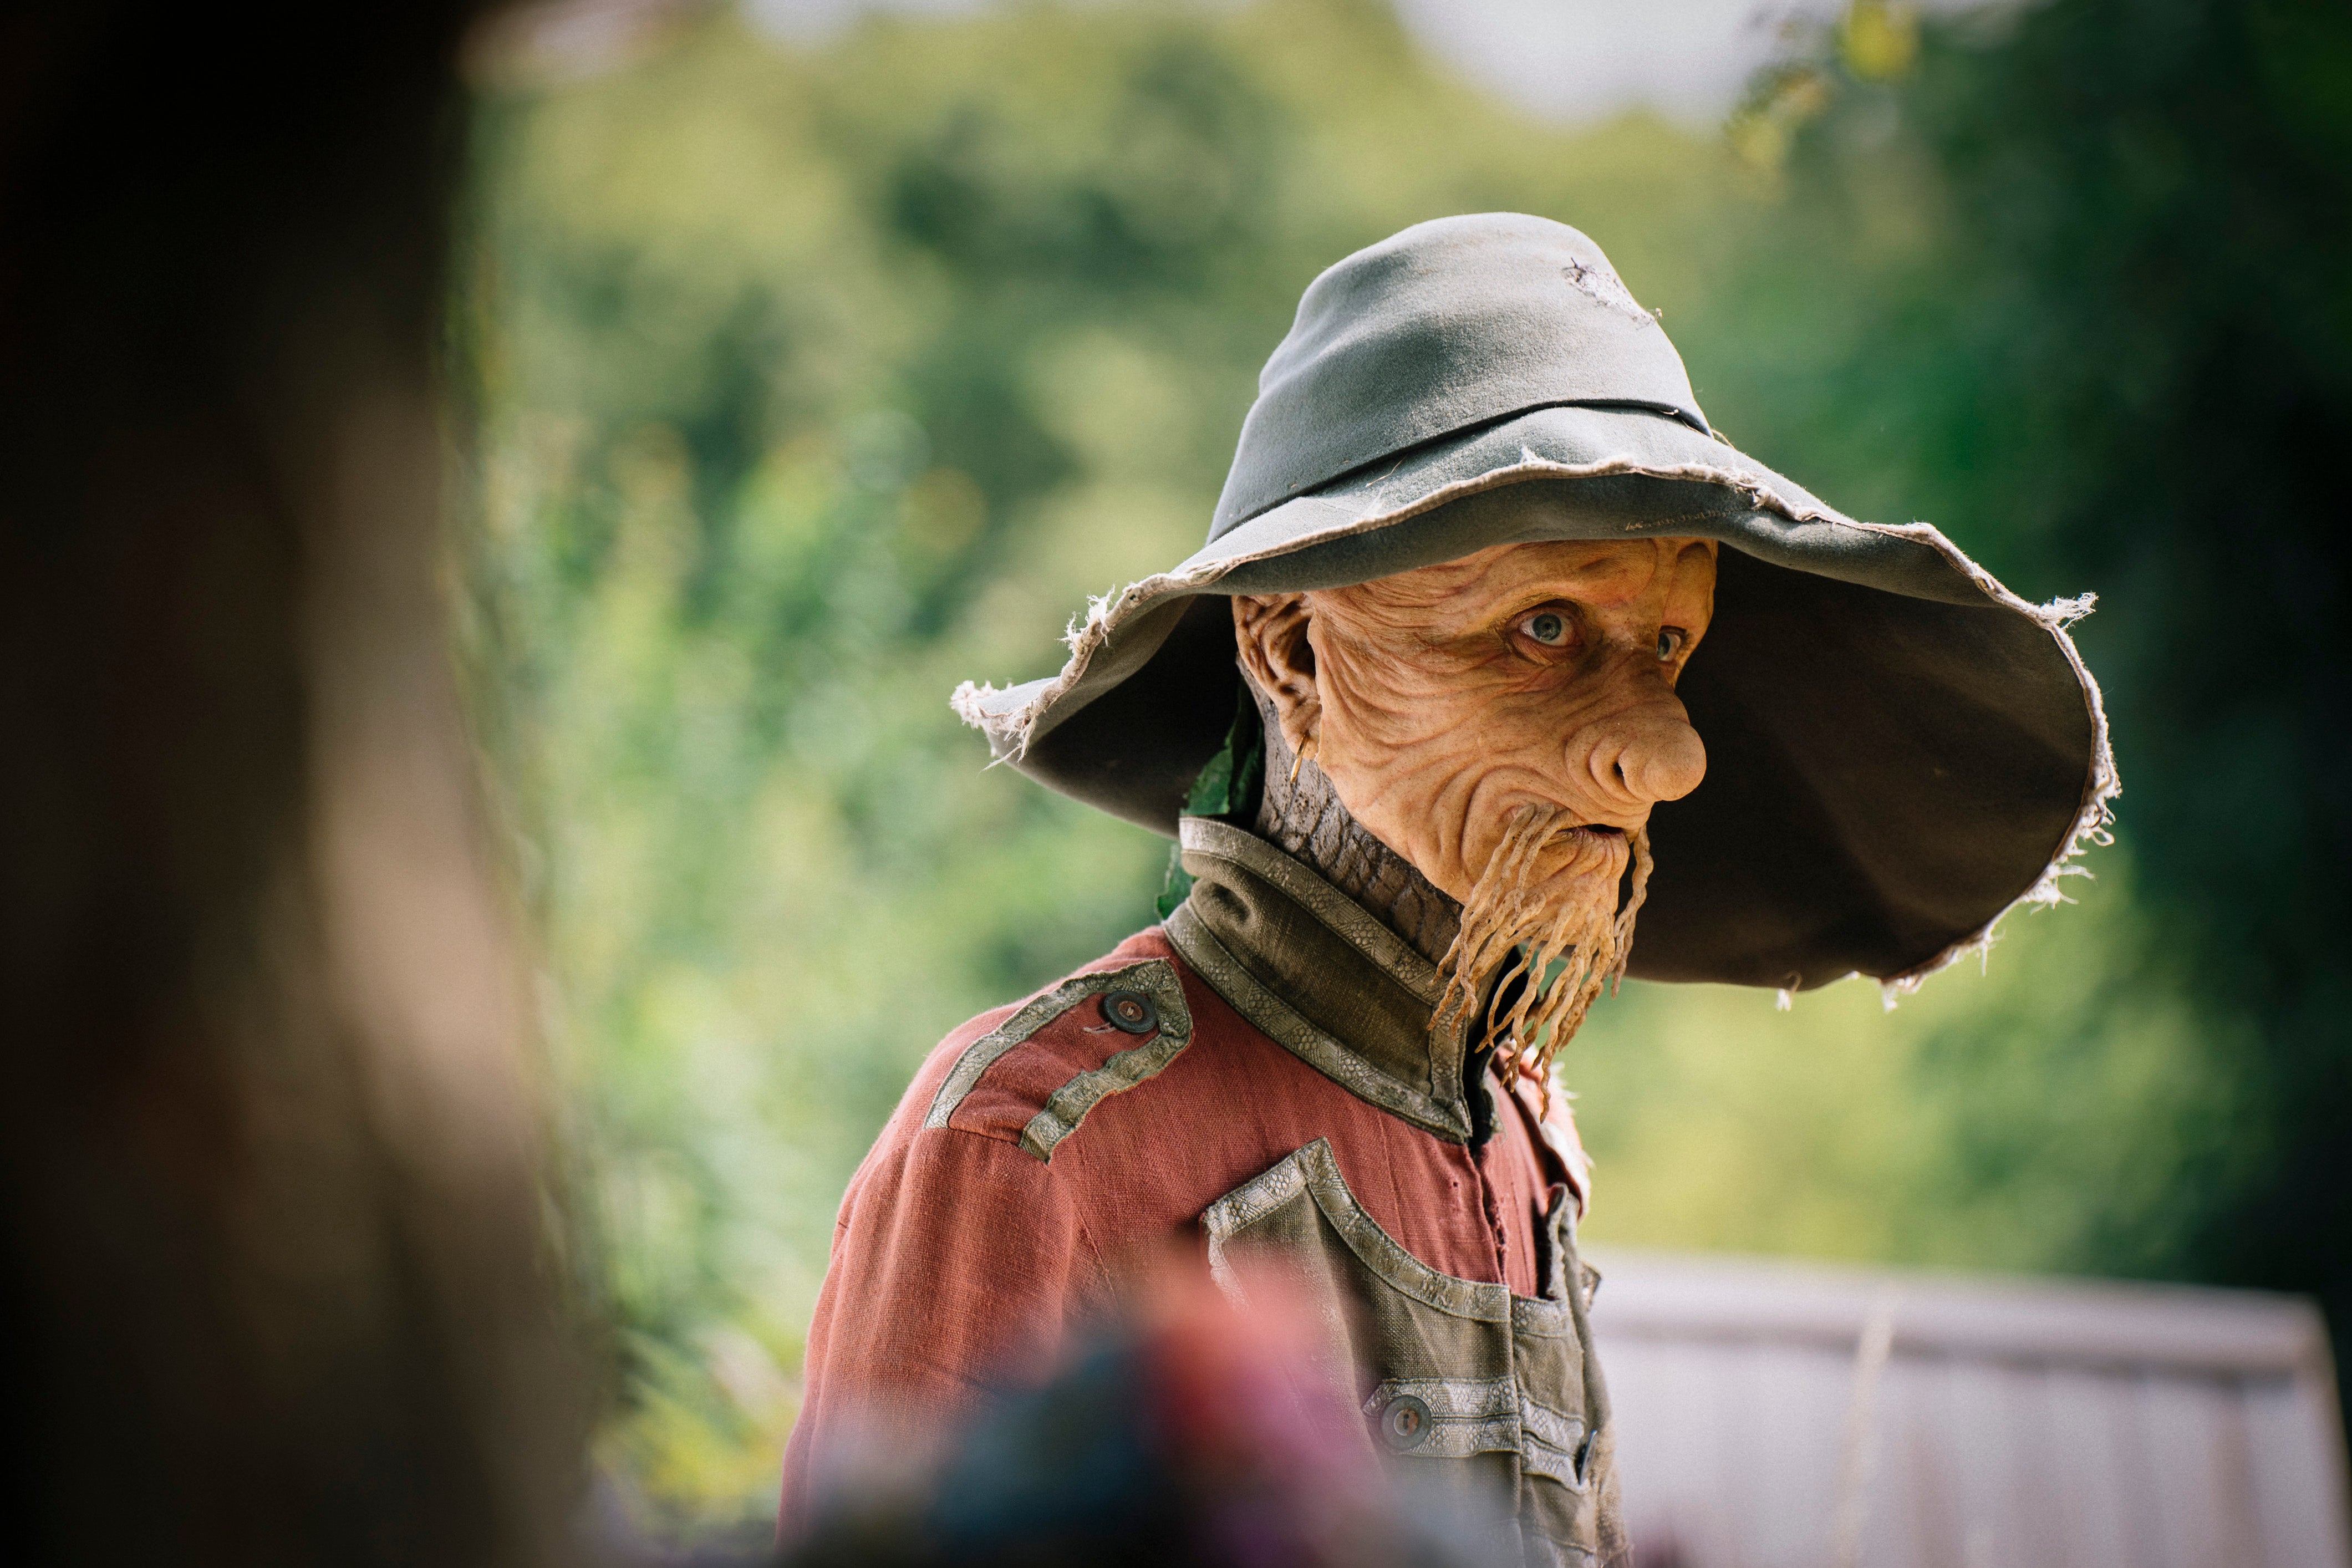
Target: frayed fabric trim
[2094,819]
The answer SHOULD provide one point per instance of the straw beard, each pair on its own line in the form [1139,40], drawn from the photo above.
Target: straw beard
[1548,893]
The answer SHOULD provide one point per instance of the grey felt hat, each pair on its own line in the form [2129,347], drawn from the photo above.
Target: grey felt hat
[1899,749]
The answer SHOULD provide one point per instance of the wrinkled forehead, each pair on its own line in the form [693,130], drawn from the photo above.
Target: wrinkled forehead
[1598,572]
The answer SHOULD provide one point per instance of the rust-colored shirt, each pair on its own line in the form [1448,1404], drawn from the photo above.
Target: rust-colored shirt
[1043,1149]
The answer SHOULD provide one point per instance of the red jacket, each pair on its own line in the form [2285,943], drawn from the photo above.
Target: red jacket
[1043,1149]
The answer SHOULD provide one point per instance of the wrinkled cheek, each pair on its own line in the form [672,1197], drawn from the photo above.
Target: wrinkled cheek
[1462,817]
[1398,721]
[1396,747]
[1389,696]
[1415,803]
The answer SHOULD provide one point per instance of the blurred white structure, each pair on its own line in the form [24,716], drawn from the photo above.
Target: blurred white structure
[1785,1415]
[1579,60]
[1571,61]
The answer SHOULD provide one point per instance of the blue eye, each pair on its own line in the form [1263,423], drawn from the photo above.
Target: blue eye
[1546,626]
[1670,641]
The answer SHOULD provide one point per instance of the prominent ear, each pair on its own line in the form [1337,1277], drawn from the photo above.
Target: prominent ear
[1271,633]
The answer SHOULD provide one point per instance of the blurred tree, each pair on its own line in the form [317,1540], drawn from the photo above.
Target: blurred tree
[817,380]
[2128,361]
[273,1270]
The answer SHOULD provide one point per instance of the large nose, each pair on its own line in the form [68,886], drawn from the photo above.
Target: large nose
[1641,755]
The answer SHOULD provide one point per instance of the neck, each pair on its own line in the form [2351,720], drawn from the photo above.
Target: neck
[1303,816]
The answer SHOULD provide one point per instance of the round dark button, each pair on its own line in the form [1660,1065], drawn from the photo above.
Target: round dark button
[1131,1011]
[1404,1422]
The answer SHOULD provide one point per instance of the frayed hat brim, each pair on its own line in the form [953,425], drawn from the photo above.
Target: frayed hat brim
[1900,749]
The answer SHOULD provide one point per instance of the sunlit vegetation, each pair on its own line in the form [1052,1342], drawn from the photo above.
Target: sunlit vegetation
[816,382]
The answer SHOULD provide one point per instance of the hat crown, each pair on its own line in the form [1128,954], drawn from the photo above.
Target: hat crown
[1448,325]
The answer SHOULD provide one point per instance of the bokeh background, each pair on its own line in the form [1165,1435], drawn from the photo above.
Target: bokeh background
[823,355]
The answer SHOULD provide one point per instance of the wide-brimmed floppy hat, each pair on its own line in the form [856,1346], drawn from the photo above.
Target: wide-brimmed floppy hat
[1899,749]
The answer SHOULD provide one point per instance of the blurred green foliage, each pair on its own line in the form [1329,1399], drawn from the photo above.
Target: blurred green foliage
[2128,360]
[813,383]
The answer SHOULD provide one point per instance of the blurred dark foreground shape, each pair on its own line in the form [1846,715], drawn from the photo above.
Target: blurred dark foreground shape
[1192,1436]
[277,1284]
[283,1280]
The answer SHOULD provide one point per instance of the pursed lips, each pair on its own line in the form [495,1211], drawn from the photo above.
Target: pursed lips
[1598,837]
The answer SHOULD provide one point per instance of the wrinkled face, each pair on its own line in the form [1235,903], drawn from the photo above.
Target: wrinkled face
[1441,701]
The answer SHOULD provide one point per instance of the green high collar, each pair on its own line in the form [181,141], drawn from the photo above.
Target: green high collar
[1321,975]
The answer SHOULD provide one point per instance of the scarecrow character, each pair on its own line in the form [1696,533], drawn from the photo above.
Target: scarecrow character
[1496,645]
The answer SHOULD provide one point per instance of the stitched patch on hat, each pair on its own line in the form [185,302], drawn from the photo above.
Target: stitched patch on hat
[1603,286]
